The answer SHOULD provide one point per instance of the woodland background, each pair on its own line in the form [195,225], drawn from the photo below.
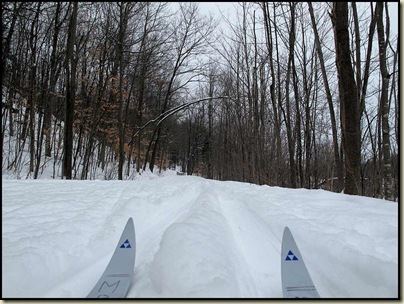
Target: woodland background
[286,94]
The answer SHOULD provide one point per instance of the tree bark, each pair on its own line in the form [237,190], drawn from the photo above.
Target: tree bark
[337,156]
[277,128]
[33,86]
[350,112]
[123,18]
[289,129]
[71,63]
[384,104]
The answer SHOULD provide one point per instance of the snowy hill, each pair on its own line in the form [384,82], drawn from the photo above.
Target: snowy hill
[195,238]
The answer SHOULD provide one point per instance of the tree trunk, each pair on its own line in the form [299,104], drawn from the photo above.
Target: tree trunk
[277,128]
[384,104]
[337,156]
[32,87]
[49,102]
[350,114]
[123,20]
[289,130]
[71,63]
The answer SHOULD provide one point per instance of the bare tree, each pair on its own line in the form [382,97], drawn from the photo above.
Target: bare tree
[190,34]
[350,111]
[33,40]
[71,64]
[124,15]
[115,77]
[276,117]
[337,156]
[384,105]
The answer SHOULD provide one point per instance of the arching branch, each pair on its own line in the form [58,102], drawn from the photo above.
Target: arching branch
[163,116]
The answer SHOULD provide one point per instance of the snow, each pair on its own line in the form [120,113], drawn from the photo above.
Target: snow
[195,237]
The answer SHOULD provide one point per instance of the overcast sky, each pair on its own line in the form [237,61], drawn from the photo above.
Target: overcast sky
[229,10]
[216,7]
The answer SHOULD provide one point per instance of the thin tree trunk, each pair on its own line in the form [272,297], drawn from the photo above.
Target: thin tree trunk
[71,63]
[287,115]
[49,102]
[277,132]
[32,89]
[123,18]
[384,104]
[337,156]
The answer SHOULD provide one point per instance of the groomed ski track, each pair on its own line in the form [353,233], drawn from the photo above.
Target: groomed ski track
[195,238]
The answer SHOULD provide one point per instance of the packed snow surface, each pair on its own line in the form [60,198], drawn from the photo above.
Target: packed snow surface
[195,238]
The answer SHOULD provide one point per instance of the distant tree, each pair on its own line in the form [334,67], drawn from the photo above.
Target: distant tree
[93,86]
[190,35]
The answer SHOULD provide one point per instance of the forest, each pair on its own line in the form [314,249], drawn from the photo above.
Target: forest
[289,94]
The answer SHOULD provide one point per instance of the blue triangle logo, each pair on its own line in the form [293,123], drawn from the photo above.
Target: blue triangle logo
[291,257]
[125,244]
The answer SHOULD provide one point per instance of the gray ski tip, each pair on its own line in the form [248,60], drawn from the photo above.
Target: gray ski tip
[287,235]
[130,224]
[117,276]
[296,280]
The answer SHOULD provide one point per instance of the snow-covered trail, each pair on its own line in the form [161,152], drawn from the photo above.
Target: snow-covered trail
[195,238]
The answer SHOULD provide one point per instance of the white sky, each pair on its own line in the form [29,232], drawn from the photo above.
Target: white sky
[229,10]
[216,7]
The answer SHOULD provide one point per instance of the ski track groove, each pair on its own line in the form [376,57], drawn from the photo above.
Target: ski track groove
[248,234]
[204,201]
[141,283]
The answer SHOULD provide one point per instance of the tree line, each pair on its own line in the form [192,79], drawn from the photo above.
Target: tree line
[289,94]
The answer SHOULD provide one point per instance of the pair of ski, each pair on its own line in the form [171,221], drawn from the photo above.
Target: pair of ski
[116,279]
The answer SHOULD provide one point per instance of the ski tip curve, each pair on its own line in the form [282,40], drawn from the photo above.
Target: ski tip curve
[286,231]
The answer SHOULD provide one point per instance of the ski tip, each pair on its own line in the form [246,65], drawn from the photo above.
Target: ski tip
[130,223]
[286,233]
